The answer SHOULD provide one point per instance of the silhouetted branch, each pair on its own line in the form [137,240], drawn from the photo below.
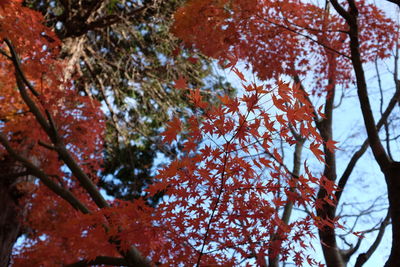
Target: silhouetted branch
[363,257]
[100,260]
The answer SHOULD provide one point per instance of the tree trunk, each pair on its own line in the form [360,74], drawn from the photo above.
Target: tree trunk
[392,176]
[12,181]
[10,223]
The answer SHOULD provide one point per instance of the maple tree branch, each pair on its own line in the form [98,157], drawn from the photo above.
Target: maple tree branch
[31,104]
[253,253]
[34,170]
[17,64]
[79,29]
[95,6]
[281,164]
[305,36]
[82,177]
[214,209]
[221,189]
[132,255]
[357,155]
[49,127]
[288,208]
[5,54]
[296,79]
[339,9]
[287,211]
[386,123]
[364,257]
[308,28]
[48,146]
[369,121]
[100,260]
[346,254]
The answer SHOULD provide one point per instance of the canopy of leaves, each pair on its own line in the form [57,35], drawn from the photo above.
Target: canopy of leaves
[126,58]
[34,68]
[217,202]
[224,195]
[277,38]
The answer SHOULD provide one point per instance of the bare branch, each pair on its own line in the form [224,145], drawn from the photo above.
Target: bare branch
[305,36]
[346,254]
[356,156]
[363,257]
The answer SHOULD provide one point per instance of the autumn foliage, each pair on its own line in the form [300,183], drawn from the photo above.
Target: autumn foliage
[226,192]
[301,38]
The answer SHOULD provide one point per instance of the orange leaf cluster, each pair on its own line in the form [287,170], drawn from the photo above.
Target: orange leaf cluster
[224,194]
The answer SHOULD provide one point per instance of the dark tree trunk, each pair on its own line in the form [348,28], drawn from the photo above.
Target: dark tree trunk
[10,210]
[392,176]
[10,223]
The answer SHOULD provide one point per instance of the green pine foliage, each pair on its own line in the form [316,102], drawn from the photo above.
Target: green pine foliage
[128,59]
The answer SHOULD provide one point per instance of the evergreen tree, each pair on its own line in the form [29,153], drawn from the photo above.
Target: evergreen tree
[124,55]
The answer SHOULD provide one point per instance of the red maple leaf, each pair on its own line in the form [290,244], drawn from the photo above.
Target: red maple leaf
[172,129]
[180,83]
[331,145]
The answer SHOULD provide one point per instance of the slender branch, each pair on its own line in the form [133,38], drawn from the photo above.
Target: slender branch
[48,146]
[213,210]
[132,255]
[356,156]
[297,80]
[17,63]
[386,123]
[49,127]
[346,254]
[31,104]
[288,208]
[218,199]
[34,170]
[5,54]
[305,36]
[364,257]
[100,260]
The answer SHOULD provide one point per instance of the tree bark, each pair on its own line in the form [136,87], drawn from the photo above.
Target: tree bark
[10,223]
[390,169]
[392,176]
